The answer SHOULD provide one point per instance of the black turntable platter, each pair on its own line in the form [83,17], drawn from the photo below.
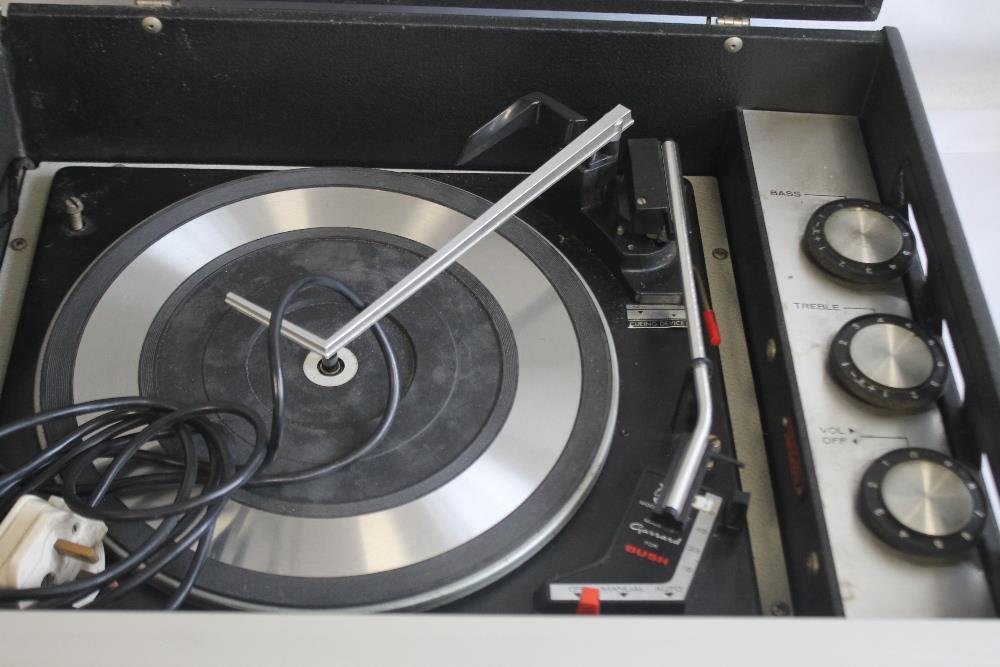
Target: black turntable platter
[459,388]
[509,392]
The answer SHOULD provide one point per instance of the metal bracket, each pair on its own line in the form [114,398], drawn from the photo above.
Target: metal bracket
[562,124]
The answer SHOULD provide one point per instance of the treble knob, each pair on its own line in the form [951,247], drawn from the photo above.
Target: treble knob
[859,241]
[889,362]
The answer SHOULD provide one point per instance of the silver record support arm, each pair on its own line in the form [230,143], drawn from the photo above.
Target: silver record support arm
[686,467]
[607,129]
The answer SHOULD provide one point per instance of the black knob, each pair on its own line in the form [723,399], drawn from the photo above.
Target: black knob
[859,241]
[923,503]
[889,362]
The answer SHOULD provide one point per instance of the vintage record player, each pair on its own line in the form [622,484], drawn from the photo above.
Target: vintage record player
[430,307]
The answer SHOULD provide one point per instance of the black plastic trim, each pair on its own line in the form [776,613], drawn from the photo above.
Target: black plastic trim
[830,10]
[904,157]
[815,592]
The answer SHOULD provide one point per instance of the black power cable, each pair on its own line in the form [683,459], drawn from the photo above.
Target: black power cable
[278,386]
[200,485]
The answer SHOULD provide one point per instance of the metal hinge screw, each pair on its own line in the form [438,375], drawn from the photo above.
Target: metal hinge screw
[74,209]
[733,21]
[152,25]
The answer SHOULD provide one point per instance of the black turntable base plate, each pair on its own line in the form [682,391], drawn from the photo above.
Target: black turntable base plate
[652,365]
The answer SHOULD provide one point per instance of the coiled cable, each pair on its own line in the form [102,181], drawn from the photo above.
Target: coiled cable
[199,482]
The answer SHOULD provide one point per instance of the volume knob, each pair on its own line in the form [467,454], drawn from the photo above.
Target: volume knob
[859,241]
[923,503]
[889,362]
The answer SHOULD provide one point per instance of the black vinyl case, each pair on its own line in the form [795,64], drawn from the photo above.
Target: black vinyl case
[402,86]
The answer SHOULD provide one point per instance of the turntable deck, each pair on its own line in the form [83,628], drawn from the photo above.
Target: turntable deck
[277,536]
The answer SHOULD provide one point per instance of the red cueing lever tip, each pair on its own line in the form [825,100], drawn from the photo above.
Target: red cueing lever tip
[714,338]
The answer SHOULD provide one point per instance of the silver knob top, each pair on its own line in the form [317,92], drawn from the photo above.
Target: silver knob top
[927,498]
[892,355]
[863,235]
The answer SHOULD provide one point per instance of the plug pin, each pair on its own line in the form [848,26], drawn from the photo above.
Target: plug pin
[78,551]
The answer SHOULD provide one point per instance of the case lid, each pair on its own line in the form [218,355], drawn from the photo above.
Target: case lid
[829,10]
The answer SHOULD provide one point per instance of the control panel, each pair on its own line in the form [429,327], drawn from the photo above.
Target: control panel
[901,514]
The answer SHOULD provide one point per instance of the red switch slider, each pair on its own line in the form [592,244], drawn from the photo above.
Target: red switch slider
[590,602]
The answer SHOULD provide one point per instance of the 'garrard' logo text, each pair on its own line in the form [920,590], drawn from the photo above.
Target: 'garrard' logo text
[643,529]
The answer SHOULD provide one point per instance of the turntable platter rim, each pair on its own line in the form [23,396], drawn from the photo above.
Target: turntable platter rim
[564,401]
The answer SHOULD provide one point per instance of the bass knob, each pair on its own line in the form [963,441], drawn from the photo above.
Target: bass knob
[859,241]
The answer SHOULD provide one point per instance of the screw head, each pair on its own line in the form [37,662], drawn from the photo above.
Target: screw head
[620,231]
[780,608]
[73,205]
[18,244]
[720,253]
[771,349]
[641,201]
[812,563]
[733,44]
[152,25]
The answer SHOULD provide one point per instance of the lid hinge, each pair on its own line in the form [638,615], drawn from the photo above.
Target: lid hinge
[731,21]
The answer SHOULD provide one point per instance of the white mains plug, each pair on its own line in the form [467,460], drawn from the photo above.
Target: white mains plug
[44,543]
